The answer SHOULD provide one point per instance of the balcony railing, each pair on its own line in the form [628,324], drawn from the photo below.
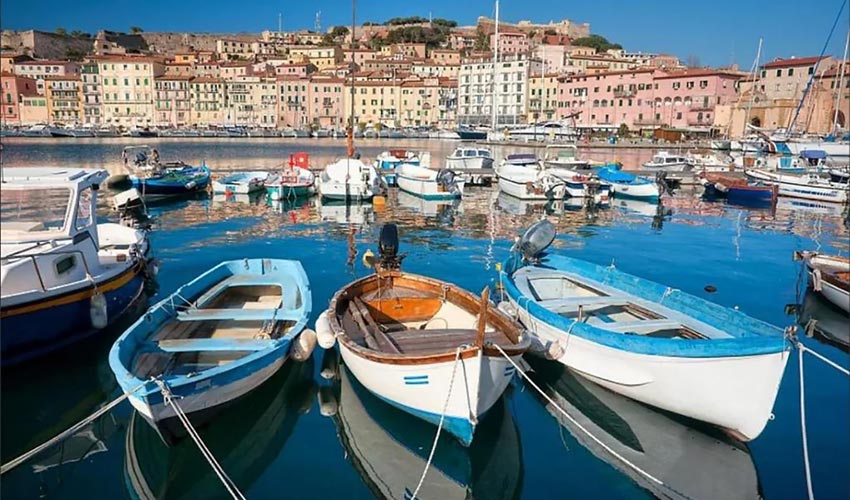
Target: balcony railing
[624,93]
[648,121]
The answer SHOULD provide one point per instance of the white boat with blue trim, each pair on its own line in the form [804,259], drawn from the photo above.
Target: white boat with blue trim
[807,186]
[214,340]
[64,276]
[421,344]
[350,180]
[643,340]
[443,184]
[628,185]
[241,183]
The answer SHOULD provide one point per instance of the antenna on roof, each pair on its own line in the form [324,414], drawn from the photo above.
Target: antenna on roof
[318,24]
[279,23]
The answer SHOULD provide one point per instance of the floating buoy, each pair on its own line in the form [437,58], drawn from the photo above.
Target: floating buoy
[324,334]
[710,288]
[98,311]
[328,405]
[303,346]
[330,365]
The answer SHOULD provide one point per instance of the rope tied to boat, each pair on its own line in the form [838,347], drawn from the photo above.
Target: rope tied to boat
[171,400]
[439,425]
[577,424]
[68,432]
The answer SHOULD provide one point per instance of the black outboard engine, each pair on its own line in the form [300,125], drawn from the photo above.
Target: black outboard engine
[447,179]
[388,247]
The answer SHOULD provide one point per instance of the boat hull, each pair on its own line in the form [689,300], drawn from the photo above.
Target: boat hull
[667,167]
[237,187]
[472,162]
[736,393]
[36,328]
[428,189]
[291,191]
[798,188]
[422,389]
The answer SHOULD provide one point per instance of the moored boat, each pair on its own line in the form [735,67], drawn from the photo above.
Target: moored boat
[808,186]
[388,161]
[214,339]
[404,335]
[830,275]
[443,184]
[241,183]
[564,156]
[156,180]
[628,185]
[666,162]
[521,176]
[738,189]
[64,276]
[468,133]
[349,180]
[469,157]
[643,340]
[293,181]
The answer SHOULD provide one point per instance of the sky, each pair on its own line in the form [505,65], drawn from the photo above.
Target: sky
[716,32]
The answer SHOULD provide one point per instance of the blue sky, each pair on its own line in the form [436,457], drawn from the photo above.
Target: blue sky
[715,31]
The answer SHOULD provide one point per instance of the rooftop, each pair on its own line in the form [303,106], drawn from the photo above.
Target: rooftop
[792,62]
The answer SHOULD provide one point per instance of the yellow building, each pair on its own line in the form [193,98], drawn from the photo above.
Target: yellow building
[207,100]
[321,57]
[173,100]
[33,110]
[251,101]
[64,99]
[375,102]
[127,84]
[542,97]
[428,102]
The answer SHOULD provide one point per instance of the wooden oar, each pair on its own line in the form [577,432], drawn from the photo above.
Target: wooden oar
[482,316]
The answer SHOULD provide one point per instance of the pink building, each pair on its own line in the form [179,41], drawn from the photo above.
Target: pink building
[12,87]
[296,69]
[511,42]
[294,101]
[325,102]
[646,98]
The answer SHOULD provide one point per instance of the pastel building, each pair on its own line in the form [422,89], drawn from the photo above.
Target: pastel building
[476,90]
[511,42]
[12,88]
[64,99]
[251,100]
[207,100]
[127,84]
[294,101]
[173,100]
[375,101]
[41,69]
[542,97]
[324,102]
[91,94]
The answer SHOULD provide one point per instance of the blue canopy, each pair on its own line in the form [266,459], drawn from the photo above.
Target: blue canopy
[813,154]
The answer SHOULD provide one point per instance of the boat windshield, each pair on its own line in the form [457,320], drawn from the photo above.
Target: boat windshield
[34,210]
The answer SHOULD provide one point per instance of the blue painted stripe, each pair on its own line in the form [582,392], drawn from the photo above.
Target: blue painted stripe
[752,337]
[415,382]
[411,377]
[459,427]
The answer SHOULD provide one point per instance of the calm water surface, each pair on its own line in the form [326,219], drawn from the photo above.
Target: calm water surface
[276,443]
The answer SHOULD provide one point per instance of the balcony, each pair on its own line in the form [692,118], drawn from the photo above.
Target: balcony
[700,123]
[624,93]
[648,121]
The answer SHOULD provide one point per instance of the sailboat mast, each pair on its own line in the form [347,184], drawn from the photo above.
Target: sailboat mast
[840,87]
[495,95]
[350,138]
[753,89]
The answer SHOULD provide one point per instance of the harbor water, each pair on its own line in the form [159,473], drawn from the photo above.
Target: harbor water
[302,435]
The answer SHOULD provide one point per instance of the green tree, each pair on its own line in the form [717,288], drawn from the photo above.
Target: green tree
[338,31]
[74,55]
[597,42]
[61,31]
[482,40]
[550,31]
[448,23]
[136,30]
[623,131]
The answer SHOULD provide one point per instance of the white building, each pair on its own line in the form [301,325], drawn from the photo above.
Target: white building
[476,90]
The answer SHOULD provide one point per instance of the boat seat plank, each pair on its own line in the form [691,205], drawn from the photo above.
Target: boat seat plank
[643,326]
[216,344]
[383,341]
[239,315]
[561,305]
[424,342]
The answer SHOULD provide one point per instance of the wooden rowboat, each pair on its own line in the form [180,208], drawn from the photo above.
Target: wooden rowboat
[830,276]
[423,345]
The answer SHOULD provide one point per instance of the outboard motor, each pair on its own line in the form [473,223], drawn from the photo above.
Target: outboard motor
[388,247]
[536,240]
[447,179]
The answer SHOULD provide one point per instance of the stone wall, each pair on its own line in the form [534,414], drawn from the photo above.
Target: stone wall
[164,42]
[43,45]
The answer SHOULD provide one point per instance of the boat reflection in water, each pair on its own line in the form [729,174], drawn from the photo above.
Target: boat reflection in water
[252,198]
[692,460]
[389,448]
[445,211]
[824,321]
[245,438]
[346,213]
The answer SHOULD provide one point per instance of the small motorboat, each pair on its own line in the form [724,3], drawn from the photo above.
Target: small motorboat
[467,133]
[738,189]
[807,186]
[64,275]
[824,321]
[388,161]
[830,275]
[521,176]
[443,184]
[628,185]
[350,180]
[293,181]
[469,157]
[241,183]
[564,156]
[646,341]
[421,344]
[155,180]
[214,339]
[665,162]
[710,163]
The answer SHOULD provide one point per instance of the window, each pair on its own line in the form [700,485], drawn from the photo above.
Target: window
[676,85]
[65,264]
[679,116]
[811,69]
[778,72]
[790,71]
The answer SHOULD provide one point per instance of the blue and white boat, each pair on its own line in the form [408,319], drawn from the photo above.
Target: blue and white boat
[423,345]
[155,180]
[627,185]
[387,162]
[64,276]
[443,184]
[213,340]
[241,183]
[652,343]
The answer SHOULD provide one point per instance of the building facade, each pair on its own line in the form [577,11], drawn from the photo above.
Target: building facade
[127,84]
[476,89]
[64,99]
[173,103]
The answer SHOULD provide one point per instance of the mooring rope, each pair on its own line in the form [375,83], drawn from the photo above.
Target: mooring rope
[228,483]
[578,425]
[439,426]
[67,433]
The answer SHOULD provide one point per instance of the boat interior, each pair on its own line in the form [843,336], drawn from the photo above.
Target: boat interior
[596,305]
[233,319]
[417,318]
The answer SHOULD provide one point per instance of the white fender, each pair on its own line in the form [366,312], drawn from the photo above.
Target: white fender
[98,311]
[303,346]
[330,365]
[328,404]
[325,335]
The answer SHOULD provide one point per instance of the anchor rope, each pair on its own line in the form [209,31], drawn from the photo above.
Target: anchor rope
[68,432]
[577,424]
[439,426]
[171,400]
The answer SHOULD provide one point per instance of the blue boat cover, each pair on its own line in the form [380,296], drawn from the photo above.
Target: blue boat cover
[813,154]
